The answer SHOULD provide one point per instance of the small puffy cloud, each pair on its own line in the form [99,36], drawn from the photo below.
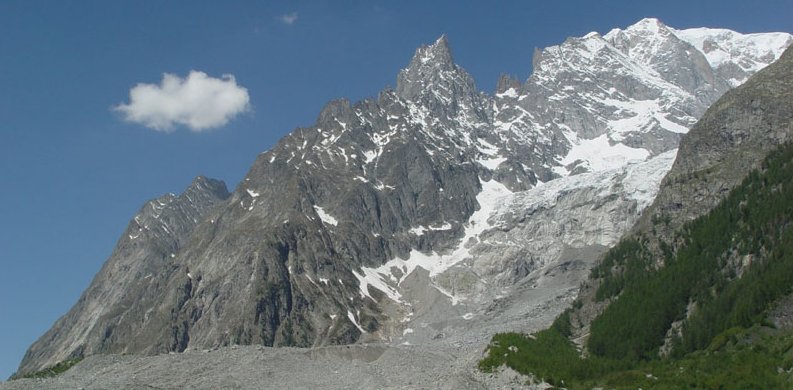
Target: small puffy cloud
[289,19]
[198,101]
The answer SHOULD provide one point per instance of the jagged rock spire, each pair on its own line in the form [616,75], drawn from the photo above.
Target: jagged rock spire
[433,79]
[438,54]
[432,69]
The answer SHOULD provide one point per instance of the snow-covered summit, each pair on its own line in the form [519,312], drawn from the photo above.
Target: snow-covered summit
[599,101]
[736,55]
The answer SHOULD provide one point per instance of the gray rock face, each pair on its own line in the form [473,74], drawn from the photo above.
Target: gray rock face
[524,265]
[431,212]
[129,284]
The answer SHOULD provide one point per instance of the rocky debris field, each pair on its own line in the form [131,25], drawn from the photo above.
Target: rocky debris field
[447,362]
[375,366]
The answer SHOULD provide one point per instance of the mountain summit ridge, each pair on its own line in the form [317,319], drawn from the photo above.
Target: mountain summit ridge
[372,221]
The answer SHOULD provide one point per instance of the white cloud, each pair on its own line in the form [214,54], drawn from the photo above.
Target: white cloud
[198,101]
[289,18]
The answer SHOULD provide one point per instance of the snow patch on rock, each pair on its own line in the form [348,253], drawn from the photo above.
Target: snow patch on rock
[325,217]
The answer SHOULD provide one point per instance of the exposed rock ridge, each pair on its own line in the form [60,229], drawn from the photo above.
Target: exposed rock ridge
[129,282]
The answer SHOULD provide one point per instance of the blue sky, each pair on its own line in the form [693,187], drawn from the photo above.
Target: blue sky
[74,171]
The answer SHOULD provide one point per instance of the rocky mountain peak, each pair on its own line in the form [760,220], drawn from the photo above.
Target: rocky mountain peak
[649,25]
[438,53]
[643,41]
[170,219]
[335,109]
[209,187]
[432,75]
[641,31]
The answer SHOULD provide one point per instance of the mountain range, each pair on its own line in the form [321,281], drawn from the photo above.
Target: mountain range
[431,213]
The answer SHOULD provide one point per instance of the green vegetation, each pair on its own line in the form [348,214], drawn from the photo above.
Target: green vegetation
[628,262]
[53,371]
[755,358]
[728,269]
[549,356]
